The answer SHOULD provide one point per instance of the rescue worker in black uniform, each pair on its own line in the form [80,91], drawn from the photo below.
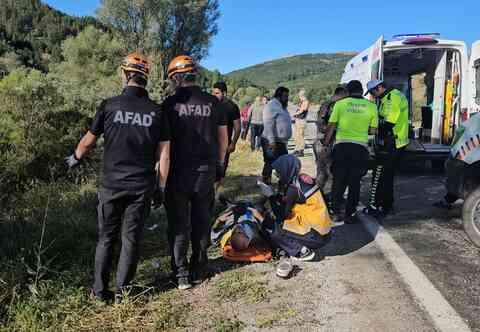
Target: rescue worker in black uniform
[137,137]
[199,145]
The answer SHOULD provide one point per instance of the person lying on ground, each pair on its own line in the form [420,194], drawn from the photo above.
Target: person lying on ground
[301,222]
[239,233]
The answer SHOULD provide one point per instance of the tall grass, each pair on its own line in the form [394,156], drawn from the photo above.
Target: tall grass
[47,250]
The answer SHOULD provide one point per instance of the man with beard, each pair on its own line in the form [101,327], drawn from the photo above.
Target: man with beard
[277,130]
[233,119]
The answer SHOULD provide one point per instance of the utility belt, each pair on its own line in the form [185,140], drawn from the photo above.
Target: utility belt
[385,138]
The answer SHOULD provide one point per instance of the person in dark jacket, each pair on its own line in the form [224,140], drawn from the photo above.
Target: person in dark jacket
[199,145]
[232,114]
[137,136]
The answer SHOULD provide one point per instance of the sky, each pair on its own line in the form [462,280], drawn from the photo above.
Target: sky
[255,31]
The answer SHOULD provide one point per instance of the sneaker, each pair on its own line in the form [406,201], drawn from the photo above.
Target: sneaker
[305,255]
[377,212]
[183,283]
[284,268]
[372,211]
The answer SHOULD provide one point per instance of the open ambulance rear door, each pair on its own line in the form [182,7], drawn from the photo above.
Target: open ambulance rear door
[366,65]
[474,80]
[376,60]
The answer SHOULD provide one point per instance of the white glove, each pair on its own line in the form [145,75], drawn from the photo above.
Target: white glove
[72,161]
[266,190]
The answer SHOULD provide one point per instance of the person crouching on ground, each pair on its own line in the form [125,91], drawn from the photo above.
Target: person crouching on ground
[301,220]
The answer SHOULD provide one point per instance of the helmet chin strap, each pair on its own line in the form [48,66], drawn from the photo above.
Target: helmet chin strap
[180,79]
[129,76]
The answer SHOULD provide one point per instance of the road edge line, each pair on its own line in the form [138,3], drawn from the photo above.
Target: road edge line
[443,315]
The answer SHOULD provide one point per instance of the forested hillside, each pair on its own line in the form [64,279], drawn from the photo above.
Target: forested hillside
[318,74]
[31,33]
[54,71]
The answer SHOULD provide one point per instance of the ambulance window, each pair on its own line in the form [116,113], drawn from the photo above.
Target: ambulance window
[477,81]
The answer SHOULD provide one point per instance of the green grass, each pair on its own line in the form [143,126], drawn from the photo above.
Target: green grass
[44,280]
[240,285]
[276,317]
[227,325]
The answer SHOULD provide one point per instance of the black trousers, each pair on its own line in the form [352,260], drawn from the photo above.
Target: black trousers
[244,130]
[350,164]
[119,212]
[456,171]
[255,136]
[270,155]
[381,189]
[189,220]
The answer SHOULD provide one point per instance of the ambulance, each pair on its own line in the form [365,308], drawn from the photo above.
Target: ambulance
[440,80]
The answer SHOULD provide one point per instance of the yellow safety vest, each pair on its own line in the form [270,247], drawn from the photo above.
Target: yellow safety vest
[313,214]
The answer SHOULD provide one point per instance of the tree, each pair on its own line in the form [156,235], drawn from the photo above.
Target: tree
[30,138]
[89,72]
[163,29]
[131,19]
[35,30]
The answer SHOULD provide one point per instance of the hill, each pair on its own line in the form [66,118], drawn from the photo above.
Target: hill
[317,73]
[31,33]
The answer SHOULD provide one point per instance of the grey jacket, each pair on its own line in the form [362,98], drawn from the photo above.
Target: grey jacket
[256,114]
[277,123]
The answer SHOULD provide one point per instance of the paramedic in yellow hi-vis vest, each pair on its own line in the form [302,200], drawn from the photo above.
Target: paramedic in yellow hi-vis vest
[392,139]
[301,223]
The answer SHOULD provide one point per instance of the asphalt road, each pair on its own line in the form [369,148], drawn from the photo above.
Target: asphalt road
[433,238]
[435,241]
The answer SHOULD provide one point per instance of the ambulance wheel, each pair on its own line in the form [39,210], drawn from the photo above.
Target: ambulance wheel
[471,216]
